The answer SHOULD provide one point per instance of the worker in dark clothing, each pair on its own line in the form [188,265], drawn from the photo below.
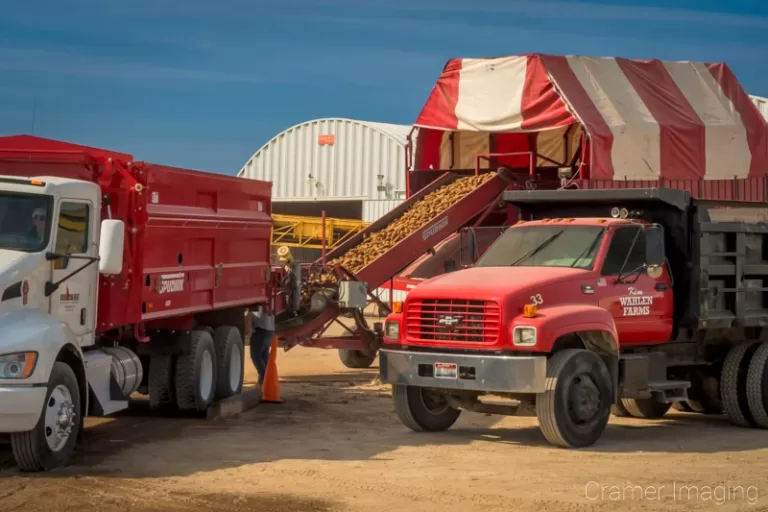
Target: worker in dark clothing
[263,323]
[291,283]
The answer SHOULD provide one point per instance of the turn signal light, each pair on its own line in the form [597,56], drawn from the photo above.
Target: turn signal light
[397,307]
[529,311]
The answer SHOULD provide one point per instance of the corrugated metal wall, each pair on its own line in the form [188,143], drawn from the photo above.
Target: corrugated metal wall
[374,210]
[762,105]
[303,165]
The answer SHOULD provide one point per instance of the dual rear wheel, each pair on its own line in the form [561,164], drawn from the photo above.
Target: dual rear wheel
[744,385]
[209,368]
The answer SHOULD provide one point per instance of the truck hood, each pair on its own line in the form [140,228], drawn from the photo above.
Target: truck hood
[16,265]
[494,283]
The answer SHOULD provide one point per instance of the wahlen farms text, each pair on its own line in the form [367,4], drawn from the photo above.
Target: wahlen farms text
[636,305]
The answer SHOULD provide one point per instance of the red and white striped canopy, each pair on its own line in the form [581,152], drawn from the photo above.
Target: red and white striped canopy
[644,119]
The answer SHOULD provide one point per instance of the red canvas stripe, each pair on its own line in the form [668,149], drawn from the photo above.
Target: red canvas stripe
[682,133]
[440,109]
[757,131]
[574,93]
[542,108]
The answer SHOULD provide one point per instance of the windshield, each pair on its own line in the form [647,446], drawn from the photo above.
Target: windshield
[24,221]
[556,245]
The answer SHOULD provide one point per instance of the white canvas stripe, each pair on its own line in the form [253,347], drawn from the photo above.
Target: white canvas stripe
[636,152]
[727,148]
[490,94]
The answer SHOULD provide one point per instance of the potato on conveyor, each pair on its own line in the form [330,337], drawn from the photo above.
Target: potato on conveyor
[376,244]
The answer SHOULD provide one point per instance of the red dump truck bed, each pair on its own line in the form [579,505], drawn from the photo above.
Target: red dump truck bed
[195,241]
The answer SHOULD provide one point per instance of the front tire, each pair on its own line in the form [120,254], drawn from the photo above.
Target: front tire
[645,408]
[195,379]
[422,410]
[51,444]
[574,410]
[229,358]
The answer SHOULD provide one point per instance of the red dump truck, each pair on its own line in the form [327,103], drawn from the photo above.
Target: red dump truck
[633,299]
[116,277]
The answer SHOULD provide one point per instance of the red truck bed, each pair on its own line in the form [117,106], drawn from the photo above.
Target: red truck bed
[195,241]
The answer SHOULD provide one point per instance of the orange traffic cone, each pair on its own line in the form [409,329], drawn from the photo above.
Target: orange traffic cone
[270,390]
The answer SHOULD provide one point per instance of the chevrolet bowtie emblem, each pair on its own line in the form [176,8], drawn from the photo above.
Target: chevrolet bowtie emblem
[448,320]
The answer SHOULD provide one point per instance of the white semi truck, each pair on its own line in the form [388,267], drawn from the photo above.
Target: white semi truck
[117,277]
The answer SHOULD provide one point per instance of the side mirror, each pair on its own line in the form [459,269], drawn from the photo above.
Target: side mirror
[111,243]
[654,246]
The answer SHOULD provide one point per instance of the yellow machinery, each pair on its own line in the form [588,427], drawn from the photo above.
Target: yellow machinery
[296,231]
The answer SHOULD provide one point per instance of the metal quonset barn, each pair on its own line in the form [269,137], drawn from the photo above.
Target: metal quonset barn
[351,169]
[762,105]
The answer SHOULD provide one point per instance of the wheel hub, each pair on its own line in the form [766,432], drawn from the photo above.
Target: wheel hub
[60,418]
[433,402]
[206,376]
[584,399]
[235,368]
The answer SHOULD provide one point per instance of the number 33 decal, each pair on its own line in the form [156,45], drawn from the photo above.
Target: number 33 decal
[536,300]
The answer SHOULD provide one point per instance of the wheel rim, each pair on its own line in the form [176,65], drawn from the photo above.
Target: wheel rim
[60,418]
[206,376]
[235,368]
[434,403]
[583,399]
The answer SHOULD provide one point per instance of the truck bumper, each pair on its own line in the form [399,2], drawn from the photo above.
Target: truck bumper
[20,407]
[524,374]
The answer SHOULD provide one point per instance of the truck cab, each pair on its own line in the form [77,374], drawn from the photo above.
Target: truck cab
[50,231]
[582,307]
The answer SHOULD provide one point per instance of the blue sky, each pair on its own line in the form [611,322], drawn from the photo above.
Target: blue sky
[203,84]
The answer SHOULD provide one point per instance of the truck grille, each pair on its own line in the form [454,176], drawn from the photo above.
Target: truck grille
[472,321]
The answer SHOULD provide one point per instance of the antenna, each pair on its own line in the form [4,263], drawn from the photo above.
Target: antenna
[34,114]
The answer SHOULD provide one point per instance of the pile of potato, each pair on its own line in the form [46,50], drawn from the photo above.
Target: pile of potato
[420,214]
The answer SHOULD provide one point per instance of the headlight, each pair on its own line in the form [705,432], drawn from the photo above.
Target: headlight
[17,366]
[392,330]
[524,336]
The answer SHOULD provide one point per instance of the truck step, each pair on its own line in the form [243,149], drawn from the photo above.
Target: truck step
[669,391]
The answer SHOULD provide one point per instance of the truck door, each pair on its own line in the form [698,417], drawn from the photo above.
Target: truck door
[642,306]
[74,301]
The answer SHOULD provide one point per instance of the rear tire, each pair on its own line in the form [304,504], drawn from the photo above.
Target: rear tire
[229,358]
[195,380]
[619,410]
[574,410]
[422,410]
[645,408]
[733,384]
[757,386]
[356,359]
[702,407]
[160,383]
[51,444]
[682,407]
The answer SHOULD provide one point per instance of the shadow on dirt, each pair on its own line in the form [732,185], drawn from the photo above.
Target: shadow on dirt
[343,422]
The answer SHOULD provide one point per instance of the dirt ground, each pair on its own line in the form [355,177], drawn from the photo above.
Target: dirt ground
[335,444]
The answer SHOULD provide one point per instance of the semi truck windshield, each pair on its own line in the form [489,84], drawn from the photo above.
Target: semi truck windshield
[24,221]
[545,246]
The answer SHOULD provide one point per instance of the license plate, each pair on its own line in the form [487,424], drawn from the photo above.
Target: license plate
[446,371]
